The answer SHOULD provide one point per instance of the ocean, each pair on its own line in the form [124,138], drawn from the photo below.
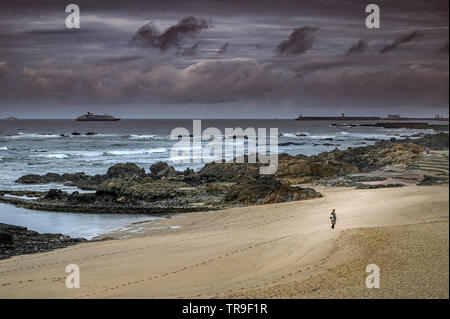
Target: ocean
[43,146]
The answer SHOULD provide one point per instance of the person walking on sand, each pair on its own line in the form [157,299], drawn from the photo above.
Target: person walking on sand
[333,218]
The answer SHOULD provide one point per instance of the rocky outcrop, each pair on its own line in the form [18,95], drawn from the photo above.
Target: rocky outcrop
[375,156]
[299,168]
[83,181]
[347,181]
[16,240]
[124,170]
[429,180]
[225,172]
[266,191]
[318,166]
[302,168]
[376,186]
[53,178]
[437,142]
[126,188]
[163,170]
[146,189]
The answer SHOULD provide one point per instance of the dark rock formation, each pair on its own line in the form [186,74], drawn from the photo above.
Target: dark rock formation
[52,178]
[226,172]
[290,143]
[266,191]
[16,240]
[438,142]
[125,170]
[375,186]
[126,188]
[163,170]
[429,180]
[347,181]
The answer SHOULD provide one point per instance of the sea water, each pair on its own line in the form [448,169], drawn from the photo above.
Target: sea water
[43,146]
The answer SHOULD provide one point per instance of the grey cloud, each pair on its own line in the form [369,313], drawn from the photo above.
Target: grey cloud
[400,40]
[149,36]
[107,69]
[64,31]
[300,40]
[408,86]
[206,81]
[193,50]
[237,80]
[358,47]
[443,48]
[3,69]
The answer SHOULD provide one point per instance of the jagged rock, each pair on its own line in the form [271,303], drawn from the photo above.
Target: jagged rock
[124,170]
[29,179]
[375,186]
[163,170]
[226,172]
[16,240]
[267,190]
[290,143]
[51,178]
[429,180]
[127,189]
[437,141]
[75,177]
[55,194]
[146,189]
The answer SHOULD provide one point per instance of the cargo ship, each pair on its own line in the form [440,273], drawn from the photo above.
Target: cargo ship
[94,117]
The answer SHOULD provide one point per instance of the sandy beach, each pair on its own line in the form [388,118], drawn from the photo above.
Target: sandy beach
[284,250]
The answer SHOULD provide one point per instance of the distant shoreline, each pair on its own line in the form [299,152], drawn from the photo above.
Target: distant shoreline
[313,118]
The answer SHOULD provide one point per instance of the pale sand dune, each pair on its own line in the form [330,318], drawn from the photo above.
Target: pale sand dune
[282,250]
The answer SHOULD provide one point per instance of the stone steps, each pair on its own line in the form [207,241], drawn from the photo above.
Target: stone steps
[434,164]
[423,166]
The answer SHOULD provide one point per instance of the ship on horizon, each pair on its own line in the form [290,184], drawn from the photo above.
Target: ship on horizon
[94,117]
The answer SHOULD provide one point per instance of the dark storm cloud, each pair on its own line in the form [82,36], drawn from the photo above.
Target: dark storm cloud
[149,36]
[358,47]
[205,81]
[231,80]
[300,40]
[191,51]
[400,40]
[443,48]
[43,62]
[122,59]
[3,69]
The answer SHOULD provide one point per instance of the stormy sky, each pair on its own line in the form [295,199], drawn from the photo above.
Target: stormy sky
[232,59]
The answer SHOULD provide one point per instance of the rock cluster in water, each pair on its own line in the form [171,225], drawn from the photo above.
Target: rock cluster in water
[127,188]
